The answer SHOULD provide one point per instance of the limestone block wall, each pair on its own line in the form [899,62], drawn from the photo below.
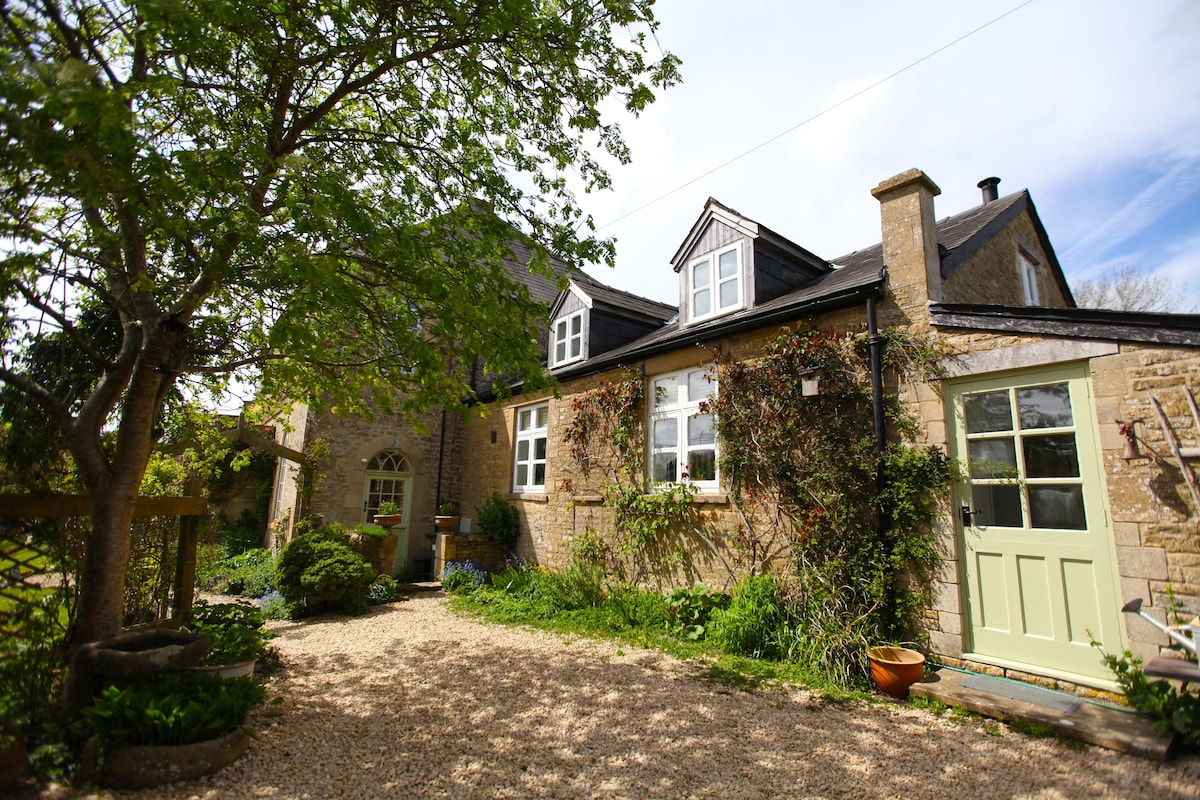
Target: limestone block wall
[433,459]
[572,507]
[991,275]
[1155,522]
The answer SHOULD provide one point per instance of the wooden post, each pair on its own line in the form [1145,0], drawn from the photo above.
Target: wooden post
[185,558]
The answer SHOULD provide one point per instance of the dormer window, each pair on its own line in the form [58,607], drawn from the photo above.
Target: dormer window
[568,344]
[715,284]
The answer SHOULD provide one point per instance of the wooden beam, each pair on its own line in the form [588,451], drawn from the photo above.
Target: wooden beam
[260,442]
[59,506]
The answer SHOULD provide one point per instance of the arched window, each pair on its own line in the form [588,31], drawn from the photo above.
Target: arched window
[388,479]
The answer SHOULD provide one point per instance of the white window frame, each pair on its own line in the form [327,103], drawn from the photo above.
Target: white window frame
[715,282]
[1029,280]
[682,408]
[568,338]
[528,432]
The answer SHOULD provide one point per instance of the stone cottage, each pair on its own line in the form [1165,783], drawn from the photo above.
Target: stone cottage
[1091,412]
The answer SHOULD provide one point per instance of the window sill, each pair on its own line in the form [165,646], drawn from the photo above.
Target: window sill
[529,497]
[713,498]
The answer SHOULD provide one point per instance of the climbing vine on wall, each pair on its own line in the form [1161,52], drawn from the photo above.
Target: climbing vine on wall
[607,436]
[801,470]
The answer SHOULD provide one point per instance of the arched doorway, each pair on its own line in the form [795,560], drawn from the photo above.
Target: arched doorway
[389,480]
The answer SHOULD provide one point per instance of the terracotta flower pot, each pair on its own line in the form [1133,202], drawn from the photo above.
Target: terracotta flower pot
[894,669]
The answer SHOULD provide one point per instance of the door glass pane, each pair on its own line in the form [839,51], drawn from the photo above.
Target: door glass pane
[1045,406]
[664,467]
[987,412]
[729,294]
[702,465]
[698,385]
[700,429]
[1051,456]
[700,303]
[728,264]
[666,433]
[666,391]
[997,505]
[992,458]
[1057,507]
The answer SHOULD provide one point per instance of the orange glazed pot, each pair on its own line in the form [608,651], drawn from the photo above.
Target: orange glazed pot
[894,669]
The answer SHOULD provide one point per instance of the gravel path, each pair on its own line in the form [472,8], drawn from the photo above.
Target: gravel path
[413,700]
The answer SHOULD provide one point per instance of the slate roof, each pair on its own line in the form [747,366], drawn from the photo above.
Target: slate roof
[603,293]
[1076,323]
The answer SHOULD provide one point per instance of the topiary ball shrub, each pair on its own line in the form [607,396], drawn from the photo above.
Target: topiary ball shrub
[320,571]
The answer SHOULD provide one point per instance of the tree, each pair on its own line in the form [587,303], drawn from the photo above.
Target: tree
[315,193]
[1128,289]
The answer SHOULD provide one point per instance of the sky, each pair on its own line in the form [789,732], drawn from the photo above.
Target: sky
[791,112]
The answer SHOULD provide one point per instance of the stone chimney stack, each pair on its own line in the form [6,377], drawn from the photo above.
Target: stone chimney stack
[910,250]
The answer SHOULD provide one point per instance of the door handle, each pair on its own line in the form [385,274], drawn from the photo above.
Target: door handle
[966,514]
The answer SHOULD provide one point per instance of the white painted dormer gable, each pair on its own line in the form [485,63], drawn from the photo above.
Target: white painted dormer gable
[729,263]
[712,265]
[570,321]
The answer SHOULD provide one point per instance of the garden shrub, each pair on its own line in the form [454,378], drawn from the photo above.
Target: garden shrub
[319,571]
[384,589]
[753,621]
[499,519]
[691,609]
[578,587]
[250,573]
[462,576]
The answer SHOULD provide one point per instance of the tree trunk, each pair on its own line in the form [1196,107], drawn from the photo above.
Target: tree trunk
[111,484]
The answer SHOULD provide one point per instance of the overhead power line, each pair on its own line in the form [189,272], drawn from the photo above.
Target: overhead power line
[816,116]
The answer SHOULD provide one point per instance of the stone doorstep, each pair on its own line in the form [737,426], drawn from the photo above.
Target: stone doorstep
[1105,727]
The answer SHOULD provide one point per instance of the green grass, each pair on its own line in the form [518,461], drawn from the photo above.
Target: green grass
[635,621]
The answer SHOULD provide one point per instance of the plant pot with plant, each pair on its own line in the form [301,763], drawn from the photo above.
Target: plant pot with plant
[447,517]
[894,669]
[388,515]
[237,638]
[169,727]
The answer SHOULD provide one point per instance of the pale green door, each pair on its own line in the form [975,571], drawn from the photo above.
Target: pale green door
[1036,543]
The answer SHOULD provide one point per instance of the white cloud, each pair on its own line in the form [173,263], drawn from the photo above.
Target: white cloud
[1055,97]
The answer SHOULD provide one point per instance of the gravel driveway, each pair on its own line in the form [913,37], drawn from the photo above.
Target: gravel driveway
[413,700]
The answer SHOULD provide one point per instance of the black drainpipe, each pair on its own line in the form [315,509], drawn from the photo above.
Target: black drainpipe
[875,343]
[441,456]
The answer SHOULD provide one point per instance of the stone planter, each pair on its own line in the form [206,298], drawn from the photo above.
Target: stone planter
[388,520]
[238,670]
[894,669]
[141,766]
[447,523]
